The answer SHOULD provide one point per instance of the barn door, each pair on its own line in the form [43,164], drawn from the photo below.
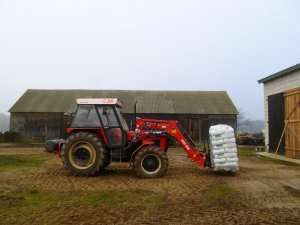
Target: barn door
[276,122]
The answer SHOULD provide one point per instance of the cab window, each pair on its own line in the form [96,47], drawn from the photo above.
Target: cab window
[86,116]
[108,116]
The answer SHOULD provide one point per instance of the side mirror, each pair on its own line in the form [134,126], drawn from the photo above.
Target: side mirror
[69,118]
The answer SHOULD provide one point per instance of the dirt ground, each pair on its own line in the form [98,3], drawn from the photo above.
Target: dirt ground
[263,192]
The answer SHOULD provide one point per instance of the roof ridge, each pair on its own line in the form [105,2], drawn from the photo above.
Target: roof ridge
[126,90]
[280,73]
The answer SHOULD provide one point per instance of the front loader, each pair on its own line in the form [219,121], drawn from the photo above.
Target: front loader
[99,134]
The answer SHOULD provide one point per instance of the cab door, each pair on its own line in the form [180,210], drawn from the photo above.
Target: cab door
[112,127]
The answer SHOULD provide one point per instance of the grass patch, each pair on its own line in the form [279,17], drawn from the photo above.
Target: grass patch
[21,145]
[14,162]
[104,197]
[245,152]
[7,201]
[220,193]
[34,202]
[133,197]
[30,205]
[31,200]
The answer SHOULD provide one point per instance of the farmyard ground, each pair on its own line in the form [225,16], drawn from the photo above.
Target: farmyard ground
[35,189]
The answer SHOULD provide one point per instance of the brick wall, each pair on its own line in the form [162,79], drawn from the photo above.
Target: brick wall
[282,84]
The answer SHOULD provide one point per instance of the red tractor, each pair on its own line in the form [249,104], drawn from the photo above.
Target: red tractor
[99,134]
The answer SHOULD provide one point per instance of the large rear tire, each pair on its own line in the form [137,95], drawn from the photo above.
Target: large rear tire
[150,162]
[83,154]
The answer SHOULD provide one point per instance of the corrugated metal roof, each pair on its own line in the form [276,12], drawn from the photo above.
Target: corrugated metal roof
[280,74]
[178,102]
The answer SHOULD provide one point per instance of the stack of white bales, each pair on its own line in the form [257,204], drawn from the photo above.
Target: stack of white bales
[223,152]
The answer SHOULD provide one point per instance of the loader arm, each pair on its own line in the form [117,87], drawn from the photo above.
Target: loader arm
[172,128]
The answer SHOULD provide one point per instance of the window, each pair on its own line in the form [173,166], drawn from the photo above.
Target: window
[86,116]
[108,116]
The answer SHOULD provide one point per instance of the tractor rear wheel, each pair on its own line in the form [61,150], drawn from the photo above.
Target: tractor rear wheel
[83,154]
[150,162]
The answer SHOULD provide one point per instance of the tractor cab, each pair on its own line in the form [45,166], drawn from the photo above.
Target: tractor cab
[102,114]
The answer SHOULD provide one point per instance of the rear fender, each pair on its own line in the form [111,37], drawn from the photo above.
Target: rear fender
[97,131]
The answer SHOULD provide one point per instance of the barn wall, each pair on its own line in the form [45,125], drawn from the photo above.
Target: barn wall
[53,125]
[38,125]
[279,85]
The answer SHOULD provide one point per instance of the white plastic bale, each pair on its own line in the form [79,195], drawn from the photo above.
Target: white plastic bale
[233,159]
[222,136]
[229,140]
[226,164]
[223,147]
[228,155]
[220,129]
[233,164]
[220,156]
[218,151]
[230,150]
[229,145]
[217,147]
[221,160]
[223,141]
[218,142]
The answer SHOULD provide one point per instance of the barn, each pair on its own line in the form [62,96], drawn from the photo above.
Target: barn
[44,113]
[282,112]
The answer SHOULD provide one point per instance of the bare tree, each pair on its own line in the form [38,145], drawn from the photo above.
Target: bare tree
[242,120]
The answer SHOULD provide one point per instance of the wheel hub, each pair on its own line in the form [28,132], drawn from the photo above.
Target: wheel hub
[150,163]
[82,155]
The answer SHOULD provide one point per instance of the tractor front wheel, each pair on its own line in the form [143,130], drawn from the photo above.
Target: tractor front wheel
[83,154]
[150,162]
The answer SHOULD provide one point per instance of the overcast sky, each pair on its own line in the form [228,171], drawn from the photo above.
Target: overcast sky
[147,45]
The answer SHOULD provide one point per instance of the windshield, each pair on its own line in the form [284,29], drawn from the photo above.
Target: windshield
[86,116]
